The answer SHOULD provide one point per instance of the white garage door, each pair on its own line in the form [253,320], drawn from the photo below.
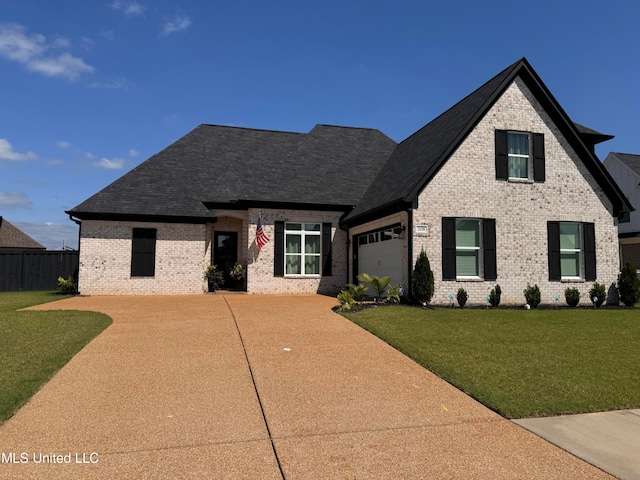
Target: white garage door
[380,254]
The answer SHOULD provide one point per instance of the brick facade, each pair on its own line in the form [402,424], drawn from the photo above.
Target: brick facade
[183,251]
[260,278]
[105,259]
[466,187]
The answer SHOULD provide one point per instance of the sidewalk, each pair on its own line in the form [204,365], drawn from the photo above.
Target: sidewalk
[249,386]
[609,440]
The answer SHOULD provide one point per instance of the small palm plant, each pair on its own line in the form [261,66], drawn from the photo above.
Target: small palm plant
[378,284]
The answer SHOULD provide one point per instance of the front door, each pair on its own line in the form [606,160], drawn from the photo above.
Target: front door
[225,255]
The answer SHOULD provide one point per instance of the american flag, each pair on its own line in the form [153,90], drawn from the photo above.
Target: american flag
[261,237]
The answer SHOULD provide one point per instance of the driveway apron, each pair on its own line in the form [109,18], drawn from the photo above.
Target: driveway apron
[249,386]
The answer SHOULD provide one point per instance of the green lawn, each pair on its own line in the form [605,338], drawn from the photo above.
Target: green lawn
[522,363]
[35,345]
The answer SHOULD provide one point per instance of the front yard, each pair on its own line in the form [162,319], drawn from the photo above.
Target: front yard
[35,345]
[522,363]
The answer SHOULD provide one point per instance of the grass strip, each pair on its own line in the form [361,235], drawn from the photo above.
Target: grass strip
[522,363]
[34,345]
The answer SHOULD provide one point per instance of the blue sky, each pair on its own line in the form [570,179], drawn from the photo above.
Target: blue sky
[90,89]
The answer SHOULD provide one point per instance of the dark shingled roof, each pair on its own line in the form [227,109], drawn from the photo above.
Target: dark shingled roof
[12,238]
[417,159]
[630,160]
[329,166]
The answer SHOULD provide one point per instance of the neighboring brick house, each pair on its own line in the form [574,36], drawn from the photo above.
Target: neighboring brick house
[501,188]
[625,170]
[12,239]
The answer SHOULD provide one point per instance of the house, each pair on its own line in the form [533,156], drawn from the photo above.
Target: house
[13,239]
[625,170]
[502,188]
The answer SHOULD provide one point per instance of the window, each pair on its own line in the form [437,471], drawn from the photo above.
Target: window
[572,251]
[518,151]
[468,248]
[143,252]
[624,217]
[302,248]
[519,155]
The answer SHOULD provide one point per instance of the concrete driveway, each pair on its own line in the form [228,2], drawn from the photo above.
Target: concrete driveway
[244,386]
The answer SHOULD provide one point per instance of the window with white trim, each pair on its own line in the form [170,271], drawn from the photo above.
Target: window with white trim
[302,248]
[571,250]
[519,155]
[468,248]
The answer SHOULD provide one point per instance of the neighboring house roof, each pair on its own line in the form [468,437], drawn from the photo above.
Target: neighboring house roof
[417,159]
[12,238]
[630,160]
[227,167]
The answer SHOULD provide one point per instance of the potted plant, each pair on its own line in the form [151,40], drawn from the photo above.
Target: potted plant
[214,277]
[238,273]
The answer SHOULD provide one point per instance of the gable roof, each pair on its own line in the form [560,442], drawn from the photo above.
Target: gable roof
[630,160]
[13,238]
[417,159]
[238,167]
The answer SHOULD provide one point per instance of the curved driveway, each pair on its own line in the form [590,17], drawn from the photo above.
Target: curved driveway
[250,386]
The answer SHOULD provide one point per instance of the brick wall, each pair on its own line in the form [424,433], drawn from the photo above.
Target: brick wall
[260,277]
[466,187]
[184,251]
[105,259]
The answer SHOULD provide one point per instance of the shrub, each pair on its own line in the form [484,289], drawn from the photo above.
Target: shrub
[629,285]
[214,277]
[462,297]
[494,296]
[346,300]
[67,285]
[393,294]
[572,296]
[357,291]
[378,284]
[597,294]
[422,279]
[532,295]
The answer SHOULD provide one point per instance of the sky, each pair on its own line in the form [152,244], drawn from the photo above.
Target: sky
[90,89]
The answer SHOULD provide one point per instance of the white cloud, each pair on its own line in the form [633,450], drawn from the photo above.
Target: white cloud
[90,156]
[11,201]
[110,84]
[33,51]
[63,144]
[7,153]
[175,23]
[128,7]
[107,35]
[115,164]
[86,43]
[133,153]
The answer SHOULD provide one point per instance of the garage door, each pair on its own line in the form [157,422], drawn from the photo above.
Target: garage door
[380,254]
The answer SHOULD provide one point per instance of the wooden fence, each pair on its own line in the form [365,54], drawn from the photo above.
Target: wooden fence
[36,270]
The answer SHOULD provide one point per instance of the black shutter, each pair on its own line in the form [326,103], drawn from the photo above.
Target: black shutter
[538,157]
[489,248]
[502,149]
[589,238]
[278,253]
[326,250]
[143,252]
[553,242]
[448,248]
